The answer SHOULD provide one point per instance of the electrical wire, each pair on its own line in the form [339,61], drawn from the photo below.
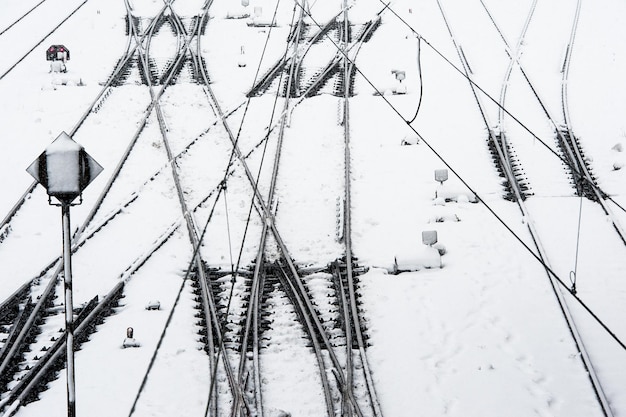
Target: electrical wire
[419,72]
[574,273]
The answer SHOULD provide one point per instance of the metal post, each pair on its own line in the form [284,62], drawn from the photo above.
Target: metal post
[69,310]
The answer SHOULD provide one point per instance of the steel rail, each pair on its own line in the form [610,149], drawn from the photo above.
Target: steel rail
[502,143]
[280,64]
[322,31]
[48,292]
[254,305]
[236,389]
[340,55]
[42,368]
[127,56]
[42,299]
[582,166]
[371,389]
[23,390]
[30,381]
[16,297]
[43,39]
[352,315]
[79,234]
[208,304]
[17,343]
[344,43]
[191,227]
[299,289]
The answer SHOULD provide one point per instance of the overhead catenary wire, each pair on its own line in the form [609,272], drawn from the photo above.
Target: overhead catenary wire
[22,17]
[12,67]
[466,184]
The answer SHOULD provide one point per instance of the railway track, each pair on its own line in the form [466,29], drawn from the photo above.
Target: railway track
[517,190]
[25,331]
[323,41]
[586,184]
[516,183]
[243,309]
[569,147]
[122,199]
[15,395]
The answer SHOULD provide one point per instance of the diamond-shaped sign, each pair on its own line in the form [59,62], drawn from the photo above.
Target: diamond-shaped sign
[64,169]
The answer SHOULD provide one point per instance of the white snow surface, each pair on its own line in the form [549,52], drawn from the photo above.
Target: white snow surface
[482,335]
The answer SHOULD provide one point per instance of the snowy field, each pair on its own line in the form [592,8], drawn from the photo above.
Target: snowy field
[475,332]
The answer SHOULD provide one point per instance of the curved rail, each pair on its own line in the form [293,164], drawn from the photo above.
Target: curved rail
[211,320]
[583,169]
[290,271]
[252,316]
[300,298]
[18,343]
[558,291]
[127,55]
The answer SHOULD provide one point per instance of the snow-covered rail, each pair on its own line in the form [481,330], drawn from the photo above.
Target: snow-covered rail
[581,171]
[518,189]
[110,212]
[346,276]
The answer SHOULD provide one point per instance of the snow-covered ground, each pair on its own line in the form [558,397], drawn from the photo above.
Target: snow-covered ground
[481,336]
